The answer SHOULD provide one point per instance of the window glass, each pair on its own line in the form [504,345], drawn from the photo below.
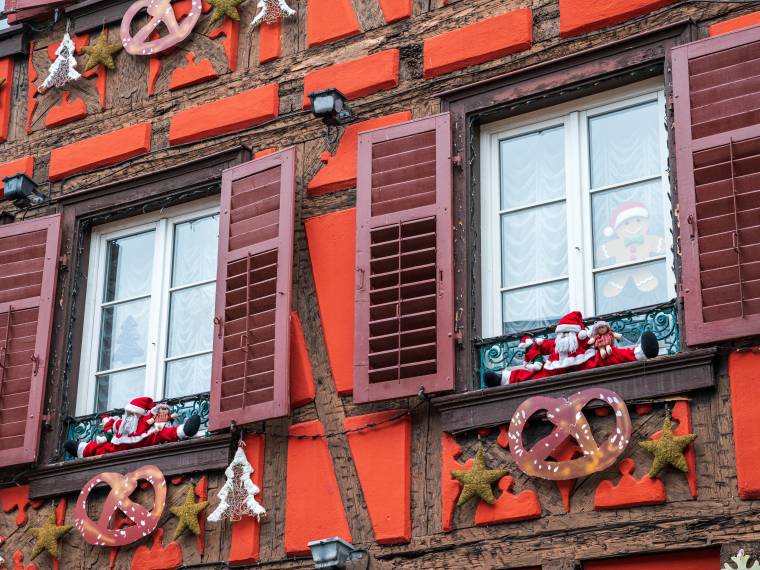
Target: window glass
[625,145]
[533,228]
[153,328]
[3,20]
[581,217]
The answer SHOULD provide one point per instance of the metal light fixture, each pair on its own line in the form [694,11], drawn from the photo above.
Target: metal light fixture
[333,552]
[22,190]
[330,106]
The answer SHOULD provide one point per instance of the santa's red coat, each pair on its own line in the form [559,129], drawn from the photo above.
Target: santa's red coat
[584,358]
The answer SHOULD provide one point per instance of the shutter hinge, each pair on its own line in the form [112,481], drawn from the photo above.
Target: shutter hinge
[456,161]
[63,262]
[458,334]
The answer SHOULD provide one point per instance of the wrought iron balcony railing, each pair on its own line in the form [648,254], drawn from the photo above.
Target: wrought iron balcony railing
[86,428]
[501,352]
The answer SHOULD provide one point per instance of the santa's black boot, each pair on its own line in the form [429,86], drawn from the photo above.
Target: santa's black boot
[190,427]
[650,346]
[491,378]
[71,447]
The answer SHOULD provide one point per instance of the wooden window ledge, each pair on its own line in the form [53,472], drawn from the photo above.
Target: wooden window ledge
[656,378]
[179,458]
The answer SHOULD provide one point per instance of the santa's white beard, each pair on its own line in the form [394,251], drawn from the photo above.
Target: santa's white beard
[129,424]
[566,343]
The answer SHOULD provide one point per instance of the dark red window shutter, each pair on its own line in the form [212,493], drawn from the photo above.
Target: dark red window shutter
[716,85]
[28,275]
[251,358]
[404,287]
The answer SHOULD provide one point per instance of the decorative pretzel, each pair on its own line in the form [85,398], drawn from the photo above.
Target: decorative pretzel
[98,532]
[160,12]
[567,416]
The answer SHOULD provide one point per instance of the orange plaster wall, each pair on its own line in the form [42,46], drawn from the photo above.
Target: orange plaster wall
[102,150]
[744,377]
[330,20]
[580,16]
[6,92]
[339,172]
[382,459]
[395,10]
[269,41]
[355,78]
[25,165]
[332,247]
[450,487]
[244,542]
[313,506]
[301,375]
[225,115]
[66,111]
[478,42]
[733,24]
[708,559]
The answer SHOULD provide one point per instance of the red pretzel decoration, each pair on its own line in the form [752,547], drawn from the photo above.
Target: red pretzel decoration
[98,532]
[567,416]
[160,12]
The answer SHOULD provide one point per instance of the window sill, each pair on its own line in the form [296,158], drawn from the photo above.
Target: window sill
[662,376]
[180,458]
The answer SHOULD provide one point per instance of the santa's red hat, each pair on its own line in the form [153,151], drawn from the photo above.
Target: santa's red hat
[623,212]
[141,405]
[571,322]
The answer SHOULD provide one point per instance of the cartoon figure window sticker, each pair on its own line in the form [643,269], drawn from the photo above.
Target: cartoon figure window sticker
[627,209]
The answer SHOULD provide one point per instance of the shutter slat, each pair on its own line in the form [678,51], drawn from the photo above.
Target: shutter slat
[28,273]
[404,296]
[250,376]
[716,86]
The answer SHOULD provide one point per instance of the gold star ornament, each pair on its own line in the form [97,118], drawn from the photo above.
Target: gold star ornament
[224,8]
[188,514]
[48,536]
[478,480]
[101,52]
[668,450]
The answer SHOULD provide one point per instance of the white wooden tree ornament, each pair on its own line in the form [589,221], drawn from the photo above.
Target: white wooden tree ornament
[742,562]
[270,10]
[63,69]
[237,495]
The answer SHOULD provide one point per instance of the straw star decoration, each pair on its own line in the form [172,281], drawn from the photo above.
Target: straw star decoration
[478,480]
[668,450]
[188,514]
[101,52]
[224,8]
[48,536]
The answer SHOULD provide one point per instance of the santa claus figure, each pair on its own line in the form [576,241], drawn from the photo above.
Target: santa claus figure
[136,428]
[570,351]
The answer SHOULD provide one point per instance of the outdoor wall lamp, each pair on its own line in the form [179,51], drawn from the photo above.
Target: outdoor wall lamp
[22,190]
[333,553]
[330,106]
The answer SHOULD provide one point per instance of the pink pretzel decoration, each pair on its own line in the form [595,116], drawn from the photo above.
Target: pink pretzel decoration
[160,11]
[567,416]
[122,486]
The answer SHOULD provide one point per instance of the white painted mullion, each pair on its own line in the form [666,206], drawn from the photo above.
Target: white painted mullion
[574,207]
[588,226]
[91,332]
[490,243]
[667,195]
[152,367]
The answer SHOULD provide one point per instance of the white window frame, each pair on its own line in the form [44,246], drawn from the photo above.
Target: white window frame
[163,222]
[573,116]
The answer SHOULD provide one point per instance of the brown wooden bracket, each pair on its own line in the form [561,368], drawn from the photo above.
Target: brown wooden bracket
[656,378]
[14,41]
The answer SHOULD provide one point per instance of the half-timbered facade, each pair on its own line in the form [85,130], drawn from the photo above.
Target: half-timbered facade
[350,301]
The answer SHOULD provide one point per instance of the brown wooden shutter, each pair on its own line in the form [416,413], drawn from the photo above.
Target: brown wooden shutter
[404,286]
[28,273]
[716,84]
[252,342]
